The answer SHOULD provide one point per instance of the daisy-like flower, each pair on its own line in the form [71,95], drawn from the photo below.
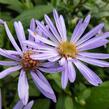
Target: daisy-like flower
[20,105]
[20,60]
[73,53]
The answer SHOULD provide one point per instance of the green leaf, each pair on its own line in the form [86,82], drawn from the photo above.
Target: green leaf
[36,12]
[33,91]
[41,104]
[61,101]
[99,98]
[56,77]
[68,102]
[13,4]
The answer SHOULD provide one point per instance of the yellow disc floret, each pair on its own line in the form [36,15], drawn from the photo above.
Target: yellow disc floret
[27,62]
[67,49]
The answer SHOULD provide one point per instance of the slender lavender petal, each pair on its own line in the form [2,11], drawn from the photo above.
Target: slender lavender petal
[43,85]
[32,28]
[29,105]
[54,59]
[43,56]
[95,42]
[15,53]
[37,46]
[42,39]
[38,81]
[71,72]
[23,87]
[76,29]
[64,77]
[90,34]
[52,28]
[63,28]
[19,105]
[9,71]
[50,95]
[89,75]
[81,29]
[6,54]
[46,31]
[96,62]
[94,45]
[58,23]
[11,38]
[8,63]
[51,70]
[1,22]
[62,61]
[94,55]
[48,64]
[20,33]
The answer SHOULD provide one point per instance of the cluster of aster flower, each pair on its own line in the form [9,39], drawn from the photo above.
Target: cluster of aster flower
[47,50]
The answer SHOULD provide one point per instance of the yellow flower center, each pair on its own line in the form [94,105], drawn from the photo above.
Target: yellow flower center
[67,49]
[27,62]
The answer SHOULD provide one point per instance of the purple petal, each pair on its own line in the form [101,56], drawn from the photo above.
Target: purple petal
[90,34]
[8,63]
[46,31]
[16,53]
[64,77]
[63,28]
[81,29]
[52,69]
[58,23]
[52,28]
[9,71]
[43,56]
[96,62]
[42,39]
[43,85]
[20,33]
[19,105]
[54,59]
[5,53]
[62,61]
[76,29]
[94,55]
[32,28]
[23,87]
[47,64]
[71,72]
[1,22]
[11,38]
[89,75]
[38,46]
[94,42]
[29,105]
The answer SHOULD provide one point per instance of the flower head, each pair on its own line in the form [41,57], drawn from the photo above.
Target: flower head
[21,60]
[74,52]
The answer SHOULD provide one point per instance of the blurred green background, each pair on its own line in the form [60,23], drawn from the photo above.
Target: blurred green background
[79,95]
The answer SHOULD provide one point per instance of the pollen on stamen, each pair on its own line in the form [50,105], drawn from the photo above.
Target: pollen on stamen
[67,49]
[27,62]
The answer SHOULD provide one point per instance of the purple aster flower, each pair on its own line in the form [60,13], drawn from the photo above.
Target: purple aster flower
[73,53]
[20,105]
[20,60]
